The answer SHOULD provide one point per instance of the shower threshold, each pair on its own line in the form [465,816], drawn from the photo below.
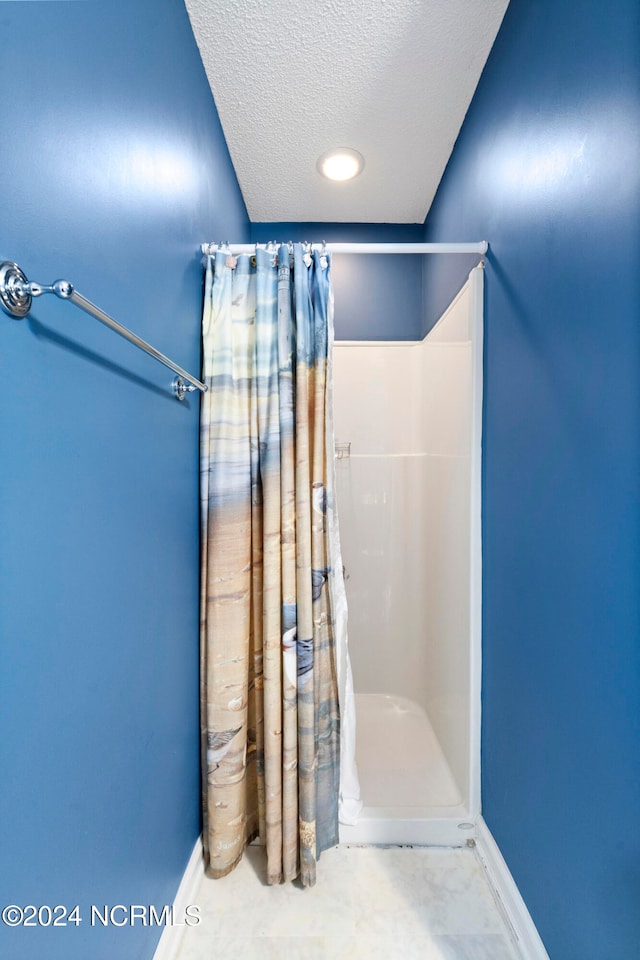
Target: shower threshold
[410,795]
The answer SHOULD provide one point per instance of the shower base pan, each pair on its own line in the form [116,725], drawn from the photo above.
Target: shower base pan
[409,793]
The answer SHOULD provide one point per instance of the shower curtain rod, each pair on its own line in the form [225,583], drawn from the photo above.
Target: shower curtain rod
[16,294]
[480,247]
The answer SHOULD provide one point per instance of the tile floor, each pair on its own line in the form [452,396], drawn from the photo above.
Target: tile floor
[378,903]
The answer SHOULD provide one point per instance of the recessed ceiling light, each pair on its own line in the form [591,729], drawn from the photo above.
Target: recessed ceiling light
[341,164]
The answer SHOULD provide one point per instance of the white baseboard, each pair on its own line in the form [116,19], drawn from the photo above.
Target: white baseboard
[169,942]
[508,896]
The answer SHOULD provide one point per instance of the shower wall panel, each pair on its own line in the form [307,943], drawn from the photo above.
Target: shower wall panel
[406,522]
[383,526]
[446,625]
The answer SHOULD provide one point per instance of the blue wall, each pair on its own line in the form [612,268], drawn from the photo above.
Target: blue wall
[119,174]
[546,168]
[376,297]
[112,172]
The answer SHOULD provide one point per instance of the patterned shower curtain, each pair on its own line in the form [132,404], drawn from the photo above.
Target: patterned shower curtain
[269,687]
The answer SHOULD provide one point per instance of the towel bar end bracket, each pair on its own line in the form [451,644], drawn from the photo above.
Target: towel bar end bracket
[181,388]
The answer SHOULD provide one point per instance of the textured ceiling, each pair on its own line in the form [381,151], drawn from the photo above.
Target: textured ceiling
[390,78]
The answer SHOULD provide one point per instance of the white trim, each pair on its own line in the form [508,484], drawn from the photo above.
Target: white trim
[387,344]
[507,895]
[378,343]
[169,942]
[435,827]
[476,279]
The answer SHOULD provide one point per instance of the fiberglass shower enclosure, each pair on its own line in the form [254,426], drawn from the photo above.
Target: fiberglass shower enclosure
[408,442]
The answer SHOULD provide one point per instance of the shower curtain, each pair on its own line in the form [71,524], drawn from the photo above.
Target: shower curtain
[272,596]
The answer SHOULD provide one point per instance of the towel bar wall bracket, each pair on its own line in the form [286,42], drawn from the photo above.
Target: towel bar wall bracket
[15,290]
[16,298]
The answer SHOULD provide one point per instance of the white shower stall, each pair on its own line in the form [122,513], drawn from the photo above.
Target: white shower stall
[408,419]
